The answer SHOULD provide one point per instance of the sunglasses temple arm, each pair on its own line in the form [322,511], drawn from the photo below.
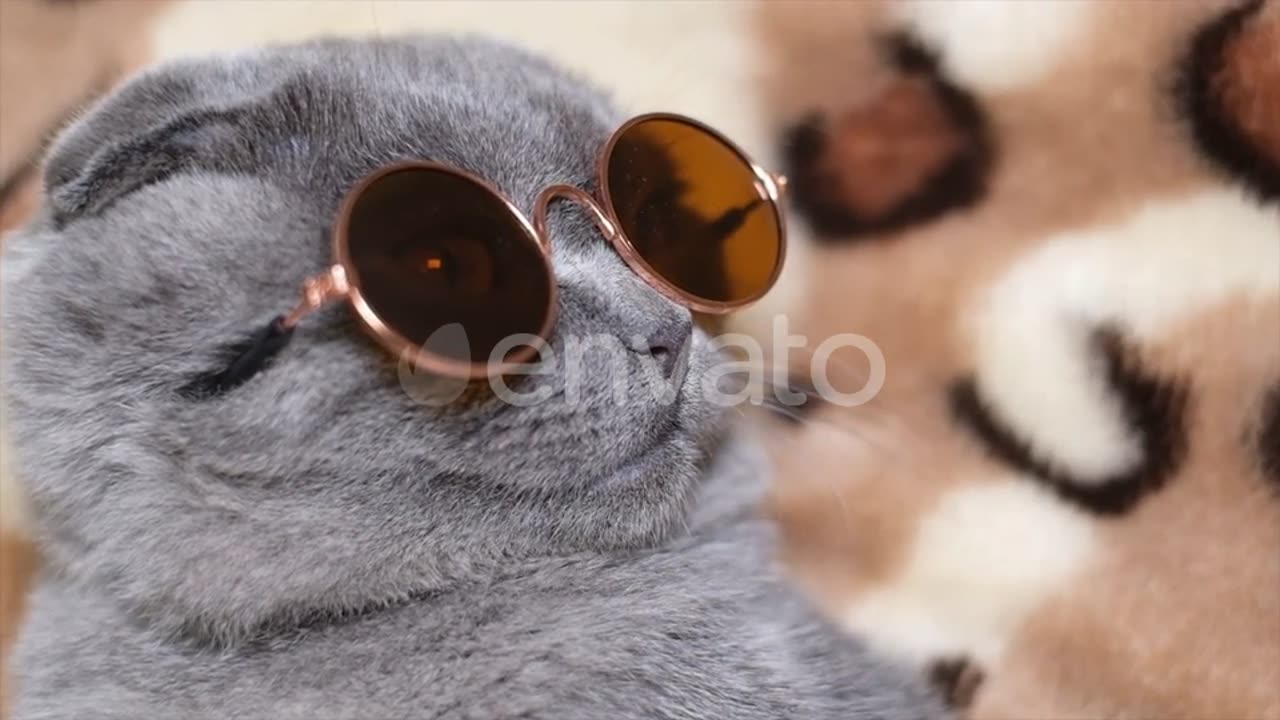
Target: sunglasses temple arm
[317,292]
[779,184]
[269,340]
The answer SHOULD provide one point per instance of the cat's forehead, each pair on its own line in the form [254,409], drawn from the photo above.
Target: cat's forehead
[492,110]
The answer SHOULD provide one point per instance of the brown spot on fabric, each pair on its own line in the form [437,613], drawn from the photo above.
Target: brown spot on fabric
[1152,407]
[1230,87]
[920,140]
[1269,438]
[19,200]
[957,679]
[1249,81]
[917,150]
[17,568]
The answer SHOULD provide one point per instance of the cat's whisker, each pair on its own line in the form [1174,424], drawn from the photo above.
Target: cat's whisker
[773,384]
[876,429]
[854,441]
[851,442]
[870,415]
[788,413]
[837,491]
[785,438]
[902,472]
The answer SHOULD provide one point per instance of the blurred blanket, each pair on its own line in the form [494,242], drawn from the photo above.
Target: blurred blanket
[1059,224]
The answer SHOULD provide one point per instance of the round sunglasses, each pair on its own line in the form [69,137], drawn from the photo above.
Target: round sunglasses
[419,246]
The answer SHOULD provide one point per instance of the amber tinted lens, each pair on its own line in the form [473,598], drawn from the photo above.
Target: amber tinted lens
[430,248]
[694,210]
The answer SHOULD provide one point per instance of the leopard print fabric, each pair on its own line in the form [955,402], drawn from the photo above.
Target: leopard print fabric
[1060,223]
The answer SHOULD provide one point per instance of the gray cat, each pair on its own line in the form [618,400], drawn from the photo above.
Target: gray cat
[315,543]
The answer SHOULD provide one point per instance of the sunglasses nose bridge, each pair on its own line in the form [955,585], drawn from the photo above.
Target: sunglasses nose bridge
[542,208]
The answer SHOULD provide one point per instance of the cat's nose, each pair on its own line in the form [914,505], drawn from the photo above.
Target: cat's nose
[667,344]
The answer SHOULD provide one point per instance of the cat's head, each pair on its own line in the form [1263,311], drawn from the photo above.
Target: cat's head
[184,212]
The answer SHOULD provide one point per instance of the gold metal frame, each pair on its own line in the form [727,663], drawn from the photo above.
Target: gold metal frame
[769,186]
[342,281]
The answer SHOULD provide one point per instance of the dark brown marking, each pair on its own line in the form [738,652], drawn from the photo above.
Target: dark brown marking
[922,149]
[1153,408]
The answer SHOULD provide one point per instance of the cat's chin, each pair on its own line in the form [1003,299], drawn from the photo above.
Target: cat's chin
[661,453]
[666,456]
[680,443]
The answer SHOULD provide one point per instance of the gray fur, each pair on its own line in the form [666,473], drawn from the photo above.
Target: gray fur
[316,544]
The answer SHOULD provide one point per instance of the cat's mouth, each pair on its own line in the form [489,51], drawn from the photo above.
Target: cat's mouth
[659,452]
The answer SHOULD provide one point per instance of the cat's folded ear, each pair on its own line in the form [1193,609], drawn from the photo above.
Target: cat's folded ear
[161,122]
[121,167]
